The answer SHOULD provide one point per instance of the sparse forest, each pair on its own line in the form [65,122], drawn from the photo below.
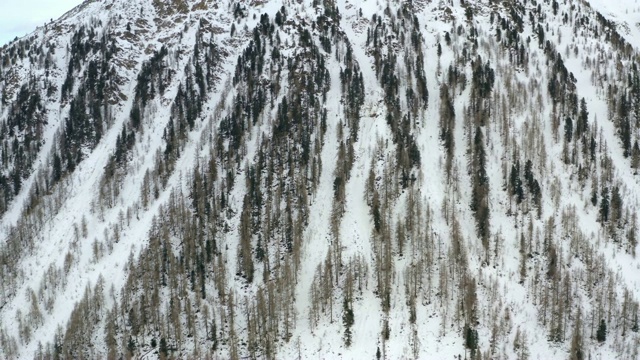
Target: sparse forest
[321,178]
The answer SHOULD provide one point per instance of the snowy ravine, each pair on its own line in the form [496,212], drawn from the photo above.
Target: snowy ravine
[322,179]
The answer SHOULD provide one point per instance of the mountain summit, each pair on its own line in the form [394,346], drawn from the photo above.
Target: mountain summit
[322,178]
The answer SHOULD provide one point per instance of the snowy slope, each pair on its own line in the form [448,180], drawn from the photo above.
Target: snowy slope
[305,179]
[626,16]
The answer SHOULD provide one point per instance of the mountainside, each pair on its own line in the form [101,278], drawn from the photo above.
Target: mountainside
[322,179]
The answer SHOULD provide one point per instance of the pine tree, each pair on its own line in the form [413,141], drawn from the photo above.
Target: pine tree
[583,118]
[601,334]
[347,321]
[471,339]
[480,189]
[604,205]
[615,206]
[523,259]
[576,352]
[245,258]
[568,129]
[131,346]
[515,184]
[164,351]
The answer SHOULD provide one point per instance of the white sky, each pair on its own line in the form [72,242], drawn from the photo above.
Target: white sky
[20,17]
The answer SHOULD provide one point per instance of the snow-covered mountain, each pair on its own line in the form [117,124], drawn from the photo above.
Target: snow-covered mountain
[322,179]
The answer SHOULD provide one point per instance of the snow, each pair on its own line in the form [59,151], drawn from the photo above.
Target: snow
[498,284]
[625,14]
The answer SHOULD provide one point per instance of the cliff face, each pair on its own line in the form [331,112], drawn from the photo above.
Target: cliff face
[268,179]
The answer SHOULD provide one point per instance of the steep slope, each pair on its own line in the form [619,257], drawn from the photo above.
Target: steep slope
[197,179]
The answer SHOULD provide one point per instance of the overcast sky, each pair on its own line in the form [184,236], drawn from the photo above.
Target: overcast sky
[20,17]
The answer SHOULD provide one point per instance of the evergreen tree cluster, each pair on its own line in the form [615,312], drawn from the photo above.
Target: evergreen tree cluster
[482,80]
[508,33]
[401,119]
[516,186]
[20,141]
[480,188]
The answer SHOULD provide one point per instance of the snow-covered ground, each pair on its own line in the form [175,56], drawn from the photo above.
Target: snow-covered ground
[502,298]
